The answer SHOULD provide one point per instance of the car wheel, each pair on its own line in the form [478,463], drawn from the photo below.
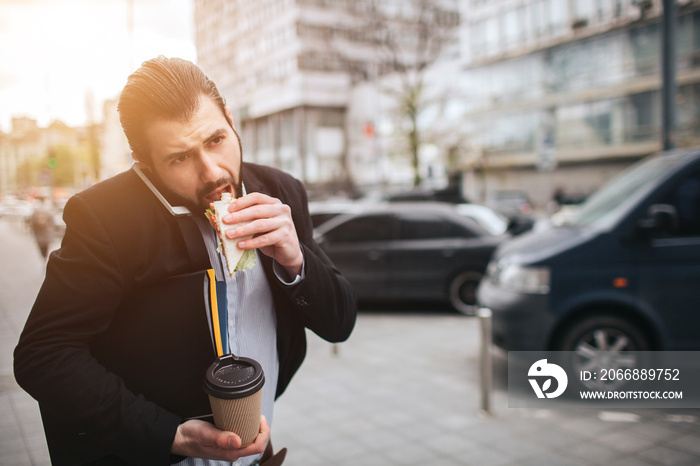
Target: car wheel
[462,292]
[603,342]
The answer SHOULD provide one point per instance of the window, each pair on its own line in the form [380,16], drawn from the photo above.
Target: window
[689,109]
[368,228]
[559,16]
[420,227]
[696,31]
[491,35]
[621,194]
[524,19]
[686,199]
[684,41]
[288,135]
[428,225]
[645,42]
[589,123]
[644,114]
[511,29]
[477,38]
[584,10]
[540,16]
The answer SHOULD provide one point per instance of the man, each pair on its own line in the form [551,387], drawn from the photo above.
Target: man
[116,345]
[43,225]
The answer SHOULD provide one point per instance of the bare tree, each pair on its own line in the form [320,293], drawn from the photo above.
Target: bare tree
[401,40]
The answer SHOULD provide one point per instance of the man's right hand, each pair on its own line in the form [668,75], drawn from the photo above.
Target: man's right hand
[200,439]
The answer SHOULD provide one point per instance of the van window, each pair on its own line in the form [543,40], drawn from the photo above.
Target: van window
[686,199]
[604,208]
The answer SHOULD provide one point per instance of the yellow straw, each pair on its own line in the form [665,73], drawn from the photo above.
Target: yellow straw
[215,312]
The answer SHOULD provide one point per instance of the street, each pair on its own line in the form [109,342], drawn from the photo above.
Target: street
[404,390]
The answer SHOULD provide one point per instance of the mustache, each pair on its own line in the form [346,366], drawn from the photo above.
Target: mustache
[210,187]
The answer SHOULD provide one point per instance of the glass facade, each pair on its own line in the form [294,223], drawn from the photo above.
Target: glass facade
[306,142]
[597,92]
[520,25]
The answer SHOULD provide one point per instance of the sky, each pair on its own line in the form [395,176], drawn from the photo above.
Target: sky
[58,55]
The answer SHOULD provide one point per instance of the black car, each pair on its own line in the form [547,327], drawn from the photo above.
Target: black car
[410,251]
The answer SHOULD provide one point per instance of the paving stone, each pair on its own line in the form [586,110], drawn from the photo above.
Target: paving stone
[687,443]
[633,461]
[412,453]
[483,457]
[625,442]
[669,456]
[655,431]
[592,453]
[549,458]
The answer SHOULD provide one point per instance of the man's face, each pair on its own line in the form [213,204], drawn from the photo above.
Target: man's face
[196,160]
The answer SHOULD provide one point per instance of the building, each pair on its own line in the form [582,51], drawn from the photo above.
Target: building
[536,95]
[288,69]
[32,157]
[21,146]
[567,93]
[114,151]
[288,102]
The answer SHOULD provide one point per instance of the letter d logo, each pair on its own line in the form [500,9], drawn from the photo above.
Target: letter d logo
[542,369]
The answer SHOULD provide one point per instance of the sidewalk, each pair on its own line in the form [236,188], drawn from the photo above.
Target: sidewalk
[404,390]
[22,440]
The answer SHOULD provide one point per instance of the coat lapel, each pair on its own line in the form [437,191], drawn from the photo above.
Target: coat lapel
[252,182]
[196,250]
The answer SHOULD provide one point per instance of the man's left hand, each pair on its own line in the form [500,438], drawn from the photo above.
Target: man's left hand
[271,226]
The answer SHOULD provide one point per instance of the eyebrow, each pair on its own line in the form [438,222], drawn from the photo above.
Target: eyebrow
[221,132]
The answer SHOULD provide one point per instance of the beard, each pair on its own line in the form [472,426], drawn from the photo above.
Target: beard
[198,203]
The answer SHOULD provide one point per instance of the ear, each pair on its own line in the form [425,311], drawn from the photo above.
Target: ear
[139,163]
[229,117]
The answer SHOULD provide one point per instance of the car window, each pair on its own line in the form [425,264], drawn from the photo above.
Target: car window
[361,229]
[686,199]
[429,225]
[462,231]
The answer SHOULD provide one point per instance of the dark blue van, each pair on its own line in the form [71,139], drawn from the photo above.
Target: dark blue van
[623,275]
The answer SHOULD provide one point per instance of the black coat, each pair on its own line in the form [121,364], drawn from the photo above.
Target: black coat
[117,342]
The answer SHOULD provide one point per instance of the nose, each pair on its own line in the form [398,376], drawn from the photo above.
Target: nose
[208,168]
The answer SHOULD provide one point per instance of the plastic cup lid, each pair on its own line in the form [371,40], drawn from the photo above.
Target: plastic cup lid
[231,377]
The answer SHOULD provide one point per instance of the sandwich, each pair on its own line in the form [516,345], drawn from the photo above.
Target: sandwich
[237,259]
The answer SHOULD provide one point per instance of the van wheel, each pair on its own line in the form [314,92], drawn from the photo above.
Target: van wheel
[603,342]
[462,292]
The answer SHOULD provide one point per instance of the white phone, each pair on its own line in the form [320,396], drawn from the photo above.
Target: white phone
[177,211]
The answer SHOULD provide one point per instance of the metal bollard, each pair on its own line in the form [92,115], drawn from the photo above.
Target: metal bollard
[486,368]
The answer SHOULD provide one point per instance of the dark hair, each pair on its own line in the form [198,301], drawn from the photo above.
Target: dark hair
[162,87]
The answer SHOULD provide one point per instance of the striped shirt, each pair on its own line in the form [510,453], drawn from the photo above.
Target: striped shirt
[252,325]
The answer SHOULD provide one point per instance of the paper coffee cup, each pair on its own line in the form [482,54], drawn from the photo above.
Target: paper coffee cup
[234,386]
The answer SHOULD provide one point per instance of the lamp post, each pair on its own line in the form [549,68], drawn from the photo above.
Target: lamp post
[669,88]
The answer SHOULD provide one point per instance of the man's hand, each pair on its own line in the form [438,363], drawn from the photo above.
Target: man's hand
[200,439]
[271,226]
